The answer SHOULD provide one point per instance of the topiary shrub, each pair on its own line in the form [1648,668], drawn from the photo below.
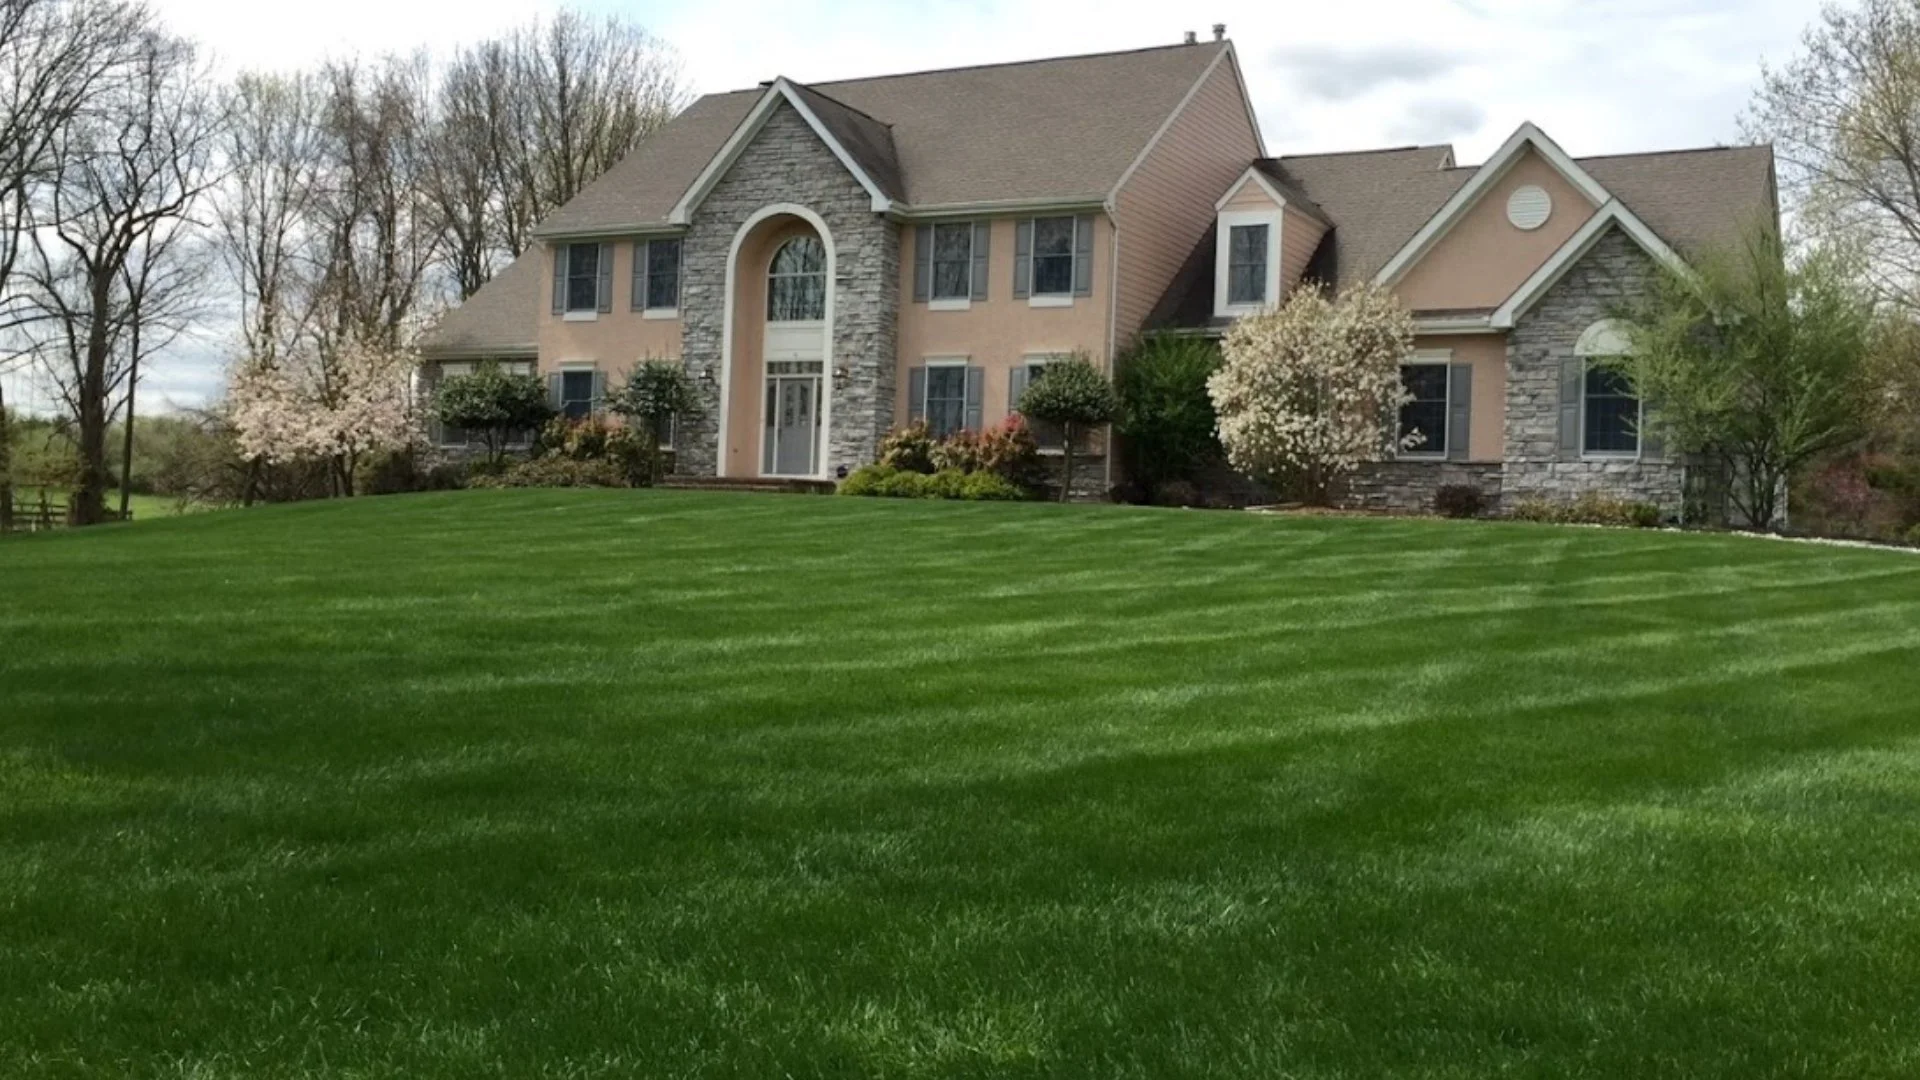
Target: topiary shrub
[909,448]
[1075,396]
[1459,501]
[497,405]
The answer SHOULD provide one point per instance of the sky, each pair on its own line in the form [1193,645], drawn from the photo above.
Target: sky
[1600,76]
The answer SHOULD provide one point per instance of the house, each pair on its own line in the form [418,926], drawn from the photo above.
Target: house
[830,261]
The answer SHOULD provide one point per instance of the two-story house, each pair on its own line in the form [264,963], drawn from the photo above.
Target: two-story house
[830,261]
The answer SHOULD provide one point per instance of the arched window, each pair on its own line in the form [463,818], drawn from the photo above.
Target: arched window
[1609,407]
[797,281]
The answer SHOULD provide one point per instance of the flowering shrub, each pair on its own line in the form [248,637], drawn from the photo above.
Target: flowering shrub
[1009,451]
[593,438]
[908,448]
[1309,391]
[959,451]
[336,408]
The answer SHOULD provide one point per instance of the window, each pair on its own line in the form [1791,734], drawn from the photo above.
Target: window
[953,261]
[1247,264]
[1610,420]
[1053,256]
[945,406]
[797,282]
[663,275]
[576,392]
[1426,414]
[583,277]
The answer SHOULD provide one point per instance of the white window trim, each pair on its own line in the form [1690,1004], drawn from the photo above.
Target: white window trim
[1222,255]
[661,313]
[1639,422]
[947,303]
[580,316]
[1035,298]
[1431,358]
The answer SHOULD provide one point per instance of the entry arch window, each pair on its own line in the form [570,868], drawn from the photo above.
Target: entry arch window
[797,281]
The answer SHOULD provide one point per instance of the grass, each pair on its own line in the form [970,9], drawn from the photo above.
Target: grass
[569,784]
[144,507]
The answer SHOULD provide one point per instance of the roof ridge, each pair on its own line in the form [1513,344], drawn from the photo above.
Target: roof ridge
[811,89]
[999,64]
[1374,150]
[1678,150]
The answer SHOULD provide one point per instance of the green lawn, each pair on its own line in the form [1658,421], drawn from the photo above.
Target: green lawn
[629,784]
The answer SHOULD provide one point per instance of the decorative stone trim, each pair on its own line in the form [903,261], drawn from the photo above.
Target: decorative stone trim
[1409,486]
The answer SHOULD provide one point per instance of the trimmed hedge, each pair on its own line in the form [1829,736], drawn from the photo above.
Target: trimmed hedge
[1588,509]
[886,482]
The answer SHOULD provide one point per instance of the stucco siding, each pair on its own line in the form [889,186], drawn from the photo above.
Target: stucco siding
[1485,257]
[1166,206]
[614,341]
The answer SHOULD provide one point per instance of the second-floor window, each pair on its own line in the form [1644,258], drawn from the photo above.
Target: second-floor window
[953,261]
[1247,264]
[1053,256]
[656,275]
[583,277]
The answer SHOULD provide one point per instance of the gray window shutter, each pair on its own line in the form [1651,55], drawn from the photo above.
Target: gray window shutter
[553,391]
[1083,255]
[638,302]
[1573,377]
[976,392]
[1016,387]
[599,388]
[1023,259]
[916,393]
[559,279]
[982,234]
[1459,410]
[922,264]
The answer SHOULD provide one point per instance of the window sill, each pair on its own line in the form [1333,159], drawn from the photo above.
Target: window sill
[1604,455]
[957,304]
[661,313]
[1239,311]
[1050,301]
[1440,457]
[581,316]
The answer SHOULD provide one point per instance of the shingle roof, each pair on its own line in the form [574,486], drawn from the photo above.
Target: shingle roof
[998,132]
[1693,199]
[500,319]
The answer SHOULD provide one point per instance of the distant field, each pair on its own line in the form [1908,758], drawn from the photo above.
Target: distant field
[144,507]
[642,784]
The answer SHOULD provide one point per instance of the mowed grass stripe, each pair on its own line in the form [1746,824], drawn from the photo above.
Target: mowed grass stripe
[658,784]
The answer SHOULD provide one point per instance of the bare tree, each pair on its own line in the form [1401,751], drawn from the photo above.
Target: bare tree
[1844,118]
[125,181]
[273,152]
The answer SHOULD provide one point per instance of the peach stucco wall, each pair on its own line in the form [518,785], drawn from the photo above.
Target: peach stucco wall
[1488,355]
[613,341]
[1166,206]
[998,333]
[1483,258]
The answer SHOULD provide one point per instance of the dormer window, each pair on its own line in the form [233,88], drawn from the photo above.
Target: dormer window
[1246,262]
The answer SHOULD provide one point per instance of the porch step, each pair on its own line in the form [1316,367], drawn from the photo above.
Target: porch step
[748,483]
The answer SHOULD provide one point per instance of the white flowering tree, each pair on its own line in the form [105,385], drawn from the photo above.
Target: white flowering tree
[356,402]
[1310,390]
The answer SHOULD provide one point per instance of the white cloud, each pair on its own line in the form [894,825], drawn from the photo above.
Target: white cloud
[1601,76]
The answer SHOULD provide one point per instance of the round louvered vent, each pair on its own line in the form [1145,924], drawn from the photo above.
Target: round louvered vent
[1529,206]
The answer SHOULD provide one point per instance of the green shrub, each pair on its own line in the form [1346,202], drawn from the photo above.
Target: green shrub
[1166,422]
[1177,493]
[493,403]
[1591,508]
[1913,536]
[886,482]
[909,448]
[1076,397]
[1459,501]
[628,450]
[554,471]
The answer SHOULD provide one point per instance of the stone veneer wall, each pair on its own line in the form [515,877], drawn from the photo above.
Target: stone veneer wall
[787,163]
[1411,485]
[1613,272]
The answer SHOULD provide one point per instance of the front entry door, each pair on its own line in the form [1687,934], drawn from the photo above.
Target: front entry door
[792,426]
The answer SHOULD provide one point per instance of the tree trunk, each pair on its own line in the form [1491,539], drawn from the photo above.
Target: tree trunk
[1066,473]
[126,448]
